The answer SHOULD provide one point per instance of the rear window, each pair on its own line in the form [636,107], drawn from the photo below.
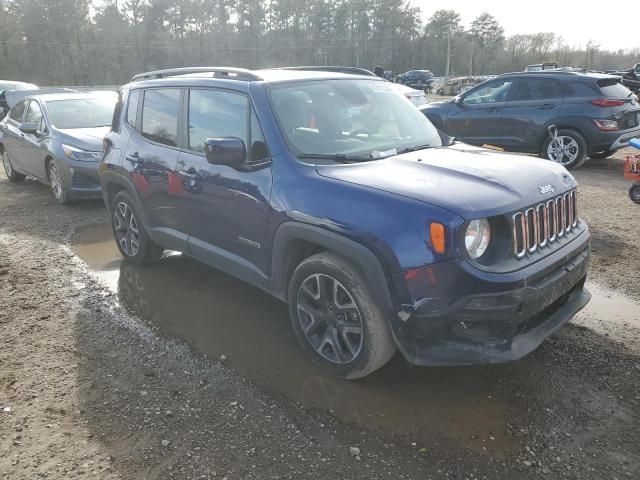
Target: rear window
[611,87]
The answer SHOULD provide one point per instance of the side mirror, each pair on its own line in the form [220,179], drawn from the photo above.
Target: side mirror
[29,127]
[229,151]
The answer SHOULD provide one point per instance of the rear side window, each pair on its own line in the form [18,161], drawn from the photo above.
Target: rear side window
[611,87]
[215,113]
[18,111]
[132,107]
[537,89]
[160,115]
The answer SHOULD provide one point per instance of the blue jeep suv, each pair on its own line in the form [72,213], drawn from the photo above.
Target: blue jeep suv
[336,195]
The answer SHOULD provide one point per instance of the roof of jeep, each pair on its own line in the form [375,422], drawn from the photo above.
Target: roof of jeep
[273,76]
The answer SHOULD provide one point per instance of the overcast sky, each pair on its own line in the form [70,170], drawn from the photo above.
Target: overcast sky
[613,28]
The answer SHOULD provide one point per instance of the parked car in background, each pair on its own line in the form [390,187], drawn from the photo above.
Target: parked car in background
[57,139]
[595,114]
[538,67]
[457,85]
[337,196]
[417,97]
[419,79]
[9,85]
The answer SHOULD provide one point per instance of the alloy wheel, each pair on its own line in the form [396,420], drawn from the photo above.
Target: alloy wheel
[566,152]
[330,318]
[55,181]
[126,229]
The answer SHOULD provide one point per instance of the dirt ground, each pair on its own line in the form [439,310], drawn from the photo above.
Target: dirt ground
[179,371]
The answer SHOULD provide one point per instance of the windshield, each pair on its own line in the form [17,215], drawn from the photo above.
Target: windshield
[82,112]
[362,118]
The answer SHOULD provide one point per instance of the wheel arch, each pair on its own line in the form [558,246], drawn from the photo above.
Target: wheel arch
[294,242]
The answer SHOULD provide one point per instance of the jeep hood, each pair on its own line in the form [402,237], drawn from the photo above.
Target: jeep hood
[469,181]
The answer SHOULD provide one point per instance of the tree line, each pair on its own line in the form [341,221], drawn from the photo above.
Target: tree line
[77,42]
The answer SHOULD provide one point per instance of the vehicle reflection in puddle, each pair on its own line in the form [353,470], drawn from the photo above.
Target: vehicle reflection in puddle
[217,314]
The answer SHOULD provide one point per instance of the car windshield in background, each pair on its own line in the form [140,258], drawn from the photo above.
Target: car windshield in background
[356,118]
[81,112]
[17,86]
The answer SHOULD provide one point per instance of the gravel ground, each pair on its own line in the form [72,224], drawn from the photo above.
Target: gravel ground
[87,389]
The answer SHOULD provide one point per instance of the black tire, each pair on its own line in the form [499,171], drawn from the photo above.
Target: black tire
[56,183]
[344,332]
[601,155]
[634,193]
[575,142]
[11,174]
[134,243]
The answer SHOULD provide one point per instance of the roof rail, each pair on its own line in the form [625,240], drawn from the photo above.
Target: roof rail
[231,73]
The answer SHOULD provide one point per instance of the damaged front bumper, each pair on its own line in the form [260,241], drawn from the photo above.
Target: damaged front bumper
[493,318]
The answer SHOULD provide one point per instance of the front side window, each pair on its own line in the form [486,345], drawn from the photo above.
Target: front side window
[492,92]
[34,114]
[18,111]
[90,112]
[216,113]
[160,115]
[364,118]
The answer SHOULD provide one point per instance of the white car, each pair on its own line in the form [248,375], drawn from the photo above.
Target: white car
[417,97]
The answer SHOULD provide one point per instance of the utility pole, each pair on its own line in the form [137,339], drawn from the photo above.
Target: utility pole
[471,59]
[447,65]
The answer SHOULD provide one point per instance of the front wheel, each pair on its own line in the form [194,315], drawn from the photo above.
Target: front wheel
[634,193]
[336,319]
[12,175]
[571,151]
[134,243]
[57,185]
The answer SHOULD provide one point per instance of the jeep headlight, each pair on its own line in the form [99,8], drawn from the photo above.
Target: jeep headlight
[81,155]
[477,237]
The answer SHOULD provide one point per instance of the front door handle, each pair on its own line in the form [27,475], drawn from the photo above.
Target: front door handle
[135,158]
[547,106]
[493,110]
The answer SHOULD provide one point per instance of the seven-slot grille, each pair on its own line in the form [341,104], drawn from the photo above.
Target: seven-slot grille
[539,226]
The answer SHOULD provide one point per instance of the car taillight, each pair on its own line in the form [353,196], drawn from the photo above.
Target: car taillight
[606,125]
[603,102]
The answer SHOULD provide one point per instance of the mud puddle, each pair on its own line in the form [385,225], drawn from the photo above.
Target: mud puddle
[219,315]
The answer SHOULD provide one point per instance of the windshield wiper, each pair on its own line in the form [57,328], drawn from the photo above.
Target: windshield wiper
[414,149]
[338,157]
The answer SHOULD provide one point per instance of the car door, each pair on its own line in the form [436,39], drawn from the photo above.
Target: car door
[12,136]
[150,158]
[227,208]
[33,151]
[534,103]
[476,117]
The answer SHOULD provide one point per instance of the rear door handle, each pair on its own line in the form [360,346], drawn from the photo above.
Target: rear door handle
[547,106]
[135,158]
[493,110]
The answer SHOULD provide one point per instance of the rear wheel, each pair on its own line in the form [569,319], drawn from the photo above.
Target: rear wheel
[601,155]
[634,193]
[12,175]
[336,319]
[134,243]
[571,151]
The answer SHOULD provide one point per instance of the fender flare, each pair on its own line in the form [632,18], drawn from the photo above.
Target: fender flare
[364,259]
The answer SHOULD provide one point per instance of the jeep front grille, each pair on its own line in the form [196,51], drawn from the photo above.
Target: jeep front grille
[538,227]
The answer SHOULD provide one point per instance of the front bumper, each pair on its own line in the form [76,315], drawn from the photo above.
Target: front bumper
[502,323]
[81,178]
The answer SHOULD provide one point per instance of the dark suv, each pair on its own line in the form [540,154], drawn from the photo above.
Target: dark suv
[595,114]
[418,79]
[336,195]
